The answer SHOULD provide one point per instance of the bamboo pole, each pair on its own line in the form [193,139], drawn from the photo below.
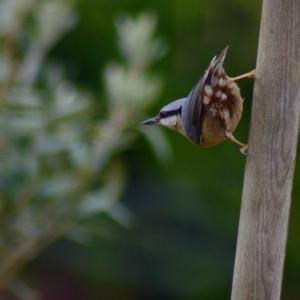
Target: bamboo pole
[270,164]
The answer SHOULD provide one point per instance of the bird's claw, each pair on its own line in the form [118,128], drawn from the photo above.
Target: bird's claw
[252,74]
[244,150]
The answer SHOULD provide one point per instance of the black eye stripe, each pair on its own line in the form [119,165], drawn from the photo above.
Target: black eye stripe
[165,114]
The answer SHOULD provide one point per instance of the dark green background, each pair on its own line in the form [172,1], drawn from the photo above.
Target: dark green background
[182,243]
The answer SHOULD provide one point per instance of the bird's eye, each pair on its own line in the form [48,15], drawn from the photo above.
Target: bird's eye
[163,114]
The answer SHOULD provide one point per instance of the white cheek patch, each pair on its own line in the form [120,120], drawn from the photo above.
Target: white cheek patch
[169,122]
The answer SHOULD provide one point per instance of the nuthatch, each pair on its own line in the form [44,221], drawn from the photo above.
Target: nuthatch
[211,112]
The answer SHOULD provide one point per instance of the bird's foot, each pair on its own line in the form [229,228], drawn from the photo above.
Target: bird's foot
[250,74]
[244,149]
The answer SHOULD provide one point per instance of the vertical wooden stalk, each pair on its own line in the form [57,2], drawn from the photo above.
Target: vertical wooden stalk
[270,164]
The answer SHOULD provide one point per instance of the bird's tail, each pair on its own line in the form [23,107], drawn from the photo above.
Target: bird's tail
[216,64]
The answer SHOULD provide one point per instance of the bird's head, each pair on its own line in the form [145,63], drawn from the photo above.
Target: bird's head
[169,116]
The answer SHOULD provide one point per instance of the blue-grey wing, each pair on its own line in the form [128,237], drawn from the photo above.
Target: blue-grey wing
[193,115]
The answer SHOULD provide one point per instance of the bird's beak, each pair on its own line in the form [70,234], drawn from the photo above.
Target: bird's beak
[151,121]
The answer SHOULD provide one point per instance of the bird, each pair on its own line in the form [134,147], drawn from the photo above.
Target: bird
[211,112]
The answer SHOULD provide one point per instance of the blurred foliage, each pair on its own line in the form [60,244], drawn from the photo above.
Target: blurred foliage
[178,218]
[58,146]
